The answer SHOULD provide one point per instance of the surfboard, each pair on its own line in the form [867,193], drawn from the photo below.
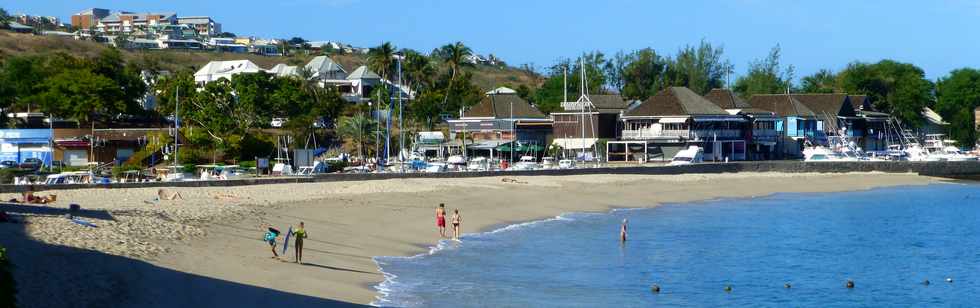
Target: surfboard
[285,244]
[84,223]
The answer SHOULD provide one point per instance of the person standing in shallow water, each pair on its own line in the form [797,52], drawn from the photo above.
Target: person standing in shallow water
[622,231]
[441,219]
[456,221]
[300,234]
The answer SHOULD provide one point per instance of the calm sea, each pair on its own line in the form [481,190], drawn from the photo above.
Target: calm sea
[888,241]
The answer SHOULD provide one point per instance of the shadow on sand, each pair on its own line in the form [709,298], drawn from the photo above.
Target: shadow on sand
[59,276]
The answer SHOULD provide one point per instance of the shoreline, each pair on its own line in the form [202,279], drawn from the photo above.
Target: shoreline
[214,234]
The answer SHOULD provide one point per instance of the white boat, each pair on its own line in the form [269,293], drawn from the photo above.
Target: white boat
[478,164]
[220,172]
[435,168]
[548,163]
[526,163]
[77,177]
[171,174]
[937,146]
[822,154]
[566,164]
[692,155]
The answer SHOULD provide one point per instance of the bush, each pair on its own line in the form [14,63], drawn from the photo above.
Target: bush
[8,290]
[336,165]
[7,175]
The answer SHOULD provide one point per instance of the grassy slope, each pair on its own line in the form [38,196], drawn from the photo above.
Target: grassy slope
[22,44]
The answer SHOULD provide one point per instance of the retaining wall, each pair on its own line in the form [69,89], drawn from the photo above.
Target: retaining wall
[959,170]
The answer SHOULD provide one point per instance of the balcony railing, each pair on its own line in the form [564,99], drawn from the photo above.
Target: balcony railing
[703,134]
[652,134]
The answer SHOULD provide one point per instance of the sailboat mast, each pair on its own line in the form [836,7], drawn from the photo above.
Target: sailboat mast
[582,107]
[176,123]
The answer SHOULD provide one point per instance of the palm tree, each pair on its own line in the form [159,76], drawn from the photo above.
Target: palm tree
[418,70]
[357,128]
[380,59]
[455,56]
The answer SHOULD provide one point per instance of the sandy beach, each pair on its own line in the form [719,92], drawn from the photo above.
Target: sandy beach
[206,249]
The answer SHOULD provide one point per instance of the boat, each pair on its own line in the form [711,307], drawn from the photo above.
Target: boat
[824,154]
[171,174]
[478,164]
[548,163]
[526,162]
[566,164]
[692,155]
[317,168]
[75,177]
[434,167]
[936,146]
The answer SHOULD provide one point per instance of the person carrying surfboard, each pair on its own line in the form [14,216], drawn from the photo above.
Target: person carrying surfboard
[300,234]
[270,237]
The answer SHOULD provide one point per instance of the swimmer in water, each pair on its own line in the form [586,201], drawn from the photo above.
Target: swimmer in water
[622,231]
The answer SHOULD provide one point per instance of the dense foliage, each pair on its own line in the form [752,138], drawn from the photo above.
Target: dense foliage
[958,96]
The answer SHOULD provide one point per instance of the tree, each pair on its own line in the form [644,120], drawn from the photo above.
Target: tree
[380,59]
[454,55]
[643,73]
[898,88]
[699,68]
[823,81]
[958,95]
[5,19]
[80,94]
[426,107]
[296,41]
[417,70]
[121,40]
[359,130]
[765,76]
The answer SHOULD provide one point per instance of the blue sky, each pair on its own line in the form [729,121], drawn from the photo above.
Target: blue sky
[938,36]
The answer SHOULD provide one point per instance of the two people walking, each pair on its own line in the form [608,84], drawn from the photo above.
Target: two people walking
[441,221]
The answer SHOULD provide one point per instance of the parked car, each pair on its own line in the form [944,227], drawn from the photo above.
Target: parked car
[8,164]
[278,122]
[31,164]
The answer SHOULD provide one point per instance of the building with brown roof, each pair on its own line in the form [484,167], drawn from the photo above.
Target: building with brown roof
[583,122]
[761,133]
[674,119]
[502,122]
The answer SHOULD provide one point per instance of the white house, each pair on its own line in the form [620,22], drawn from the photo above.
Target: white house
[215,70]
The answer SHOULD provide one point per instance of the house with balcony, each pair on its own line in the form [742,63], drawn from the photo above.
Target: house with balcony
[500,124]
[674,119]
[877,127]
[761,135]
[584,122]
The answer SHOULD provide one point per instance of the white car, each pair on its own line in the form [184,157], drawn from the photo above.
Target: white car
[278,122]
[692,155]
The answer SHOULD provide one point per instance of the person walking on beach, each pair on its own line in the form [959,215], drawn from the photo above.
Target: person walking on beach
[270,237]
[456,221]
[300,234]
[622,231]
[441,219]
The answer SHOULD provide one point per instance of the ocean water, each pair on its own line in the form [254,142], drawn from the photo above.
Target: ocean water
[888,241]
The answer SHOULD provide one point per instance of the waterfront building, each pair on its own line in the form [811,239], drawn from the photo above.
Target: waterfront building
[501,123]
[18,145]
[674,119]
[578,127]
[761,134]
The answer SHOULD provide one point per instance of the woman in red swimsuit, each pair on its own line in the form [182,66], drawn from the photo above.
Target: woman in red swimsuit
[441,219]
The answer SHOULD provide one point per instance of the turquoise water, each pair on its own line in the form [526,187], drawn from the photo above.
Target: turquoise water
[888,241]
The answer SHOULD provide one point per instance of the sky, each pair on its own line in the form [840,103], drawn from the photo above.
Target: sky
[938,36]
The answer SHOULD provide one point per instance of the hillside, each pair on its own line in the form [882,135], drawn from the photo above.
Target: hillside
[485,77]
